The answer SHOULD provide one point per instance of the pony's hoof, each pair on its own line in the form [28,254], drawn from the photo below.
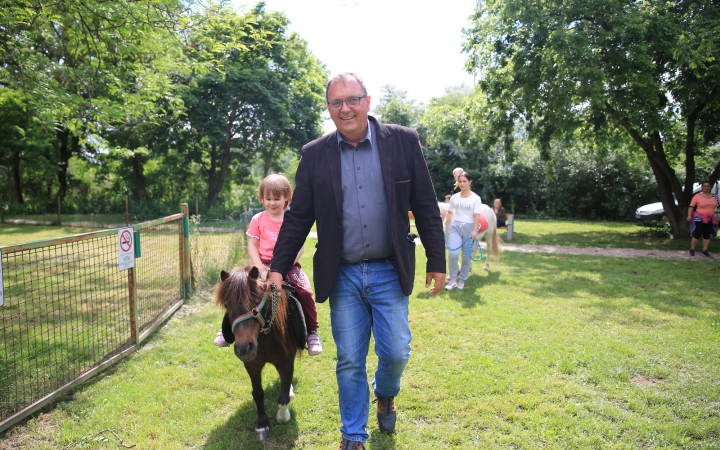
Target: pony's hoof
[292,393]
[262,433]
[486,269]
[283,414]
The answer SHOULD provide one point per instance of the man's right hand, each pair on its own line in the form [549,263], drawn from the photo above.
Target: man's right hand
[274,278]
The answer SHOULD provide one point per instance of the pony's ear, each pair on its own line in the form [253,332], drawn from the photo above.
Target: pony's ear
[254,273]
[227,329]
[224,275]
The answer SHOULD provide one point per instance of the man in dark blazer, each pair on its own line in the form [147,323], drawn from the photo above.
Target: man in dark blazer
[358,184]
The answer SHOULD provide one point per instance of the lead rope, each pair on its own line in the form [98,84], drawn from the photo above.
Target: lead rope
[274,301]
[469,249]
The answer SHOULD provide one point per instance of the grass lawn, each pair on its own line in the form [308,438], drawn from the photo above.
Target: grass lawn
[546,351]
[20,234]
[578,233]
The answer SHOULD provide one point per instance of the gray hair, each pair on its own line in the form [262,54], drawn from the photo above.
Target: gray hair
[345,77]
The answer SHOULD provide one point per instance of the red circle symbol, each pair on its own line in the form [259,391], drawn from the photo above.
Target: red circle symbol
[125,241]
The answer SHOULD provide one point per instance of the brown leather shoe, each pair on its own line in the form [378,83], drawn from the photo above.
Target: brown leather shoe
[386,415]
[350,445]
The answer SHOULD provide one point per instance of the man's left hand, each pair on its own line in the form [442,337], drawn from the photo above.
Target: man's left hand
[439,281]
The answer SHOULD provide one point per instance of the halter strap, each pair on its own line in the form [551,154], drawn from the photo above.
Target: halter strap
[256,313]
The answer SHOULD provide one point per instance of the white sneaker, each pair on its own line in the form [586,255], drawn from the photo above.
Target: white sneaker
[460,284]
[450,285]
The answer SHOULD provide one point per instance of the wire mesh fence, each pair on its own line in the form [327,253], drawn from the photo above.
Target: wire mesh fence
[68,311]
[64,312]
[216,245]
[158,271]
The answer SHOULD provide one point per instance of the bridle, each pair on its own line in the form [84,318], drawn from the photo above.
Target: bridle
[256,312]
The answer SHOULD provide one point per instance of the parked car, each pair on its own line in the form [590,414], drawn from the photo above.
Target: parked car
[654,211]
[650,213]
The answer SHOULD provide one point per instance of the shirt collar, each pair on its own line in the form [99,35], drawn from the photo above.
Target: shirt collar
[368,136]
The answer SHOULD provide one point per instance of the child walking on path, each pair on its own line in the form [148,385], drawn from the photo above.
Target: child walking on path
[275,195]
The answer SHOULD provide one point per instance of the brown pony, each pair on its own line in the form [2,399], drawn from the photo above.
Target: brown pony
[261,331]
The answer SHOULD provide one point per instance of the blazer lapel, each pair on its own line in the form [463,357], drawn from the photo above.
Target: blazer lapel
[332,152]
[385,150]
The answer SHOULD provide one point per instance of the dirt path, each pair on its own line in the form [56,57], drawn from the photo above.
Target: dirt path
[616,252]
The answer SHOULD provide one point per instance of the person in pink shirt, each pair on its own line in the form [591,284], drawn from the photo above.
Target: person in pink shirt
[701,216]
[275,194]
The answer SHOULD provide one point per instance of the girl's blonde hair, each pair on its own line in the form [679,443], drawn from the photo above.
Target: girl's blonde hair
[275,184]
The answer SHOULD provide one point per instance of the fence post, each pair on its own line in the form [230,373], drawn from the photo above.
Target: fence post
[510,226]
[132,294]
[186,249]
[244,219]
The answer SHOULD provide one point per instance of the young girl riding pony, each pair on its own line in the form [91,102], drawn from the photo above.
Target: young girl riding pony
[275,194]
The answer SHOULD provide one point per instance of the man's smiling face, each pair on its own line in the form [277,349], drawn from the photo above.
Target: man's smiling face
[350,122]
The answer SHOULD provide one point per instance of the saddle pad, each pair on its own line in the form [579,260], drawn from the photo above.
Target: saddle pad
[297,319]
[483,225]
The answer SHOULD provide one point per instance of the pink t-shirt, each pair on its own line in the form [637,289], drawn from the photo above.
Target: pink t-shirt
[265,230]
[705,206]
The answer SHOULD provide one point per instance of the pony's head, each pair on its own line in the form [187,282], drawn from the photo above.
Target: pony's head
[241,293]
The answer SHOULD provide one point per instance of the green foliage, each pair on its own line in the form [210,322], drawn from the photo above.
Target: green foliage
[568,179]
[261,98]
[161,101]
[24,143]
[574,183]
[395,107]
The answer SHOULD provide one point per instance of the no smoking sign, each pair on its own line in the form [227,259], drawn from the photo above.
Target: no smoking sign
[126,248]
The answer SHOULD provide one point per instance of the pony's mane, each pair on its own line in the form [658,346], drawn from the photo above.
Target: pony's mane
[239,291]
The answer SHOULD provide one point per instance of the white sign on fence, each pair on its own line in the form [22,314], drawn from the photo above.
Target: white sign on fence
[126,248]
[2,294]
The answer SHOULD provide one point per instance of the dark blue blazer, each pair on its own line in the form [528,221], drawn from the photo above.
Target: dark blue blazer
[318,199]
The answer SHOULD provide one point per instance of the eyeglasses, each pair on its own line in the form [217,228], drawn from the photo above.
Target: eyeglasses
[352,102]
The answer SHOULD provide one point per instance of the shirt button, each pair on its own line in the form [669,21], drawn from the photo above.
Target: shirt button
[364,226]
[359,187]
[362,206]
[358,168]
[367,245]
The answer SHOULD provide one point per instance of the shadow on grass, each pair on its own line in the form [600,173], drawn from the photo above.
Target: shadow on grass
[620,284]
[239,430]
[472,295]
[381,441]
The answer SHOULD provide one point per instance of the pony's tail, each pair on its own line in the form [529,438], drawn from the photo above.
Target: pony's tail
[496,241]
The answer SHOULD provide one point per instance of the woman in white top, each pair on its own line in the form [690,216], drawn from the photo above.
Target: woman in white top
[463,216]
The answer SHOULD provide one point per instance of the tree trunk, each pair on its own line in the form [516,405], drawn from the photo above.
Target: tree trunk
[215,188]
[139,176]
[666,179]
[17,181]
[269,159]
[69,144]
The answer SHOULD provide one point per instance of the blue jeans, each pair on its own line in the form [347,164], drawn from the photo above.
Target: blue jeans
[367,297]
[459,233]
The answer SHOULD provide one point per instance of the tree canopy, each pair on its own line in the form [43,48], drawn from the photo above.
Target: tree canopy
[161,100]
[608,71]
